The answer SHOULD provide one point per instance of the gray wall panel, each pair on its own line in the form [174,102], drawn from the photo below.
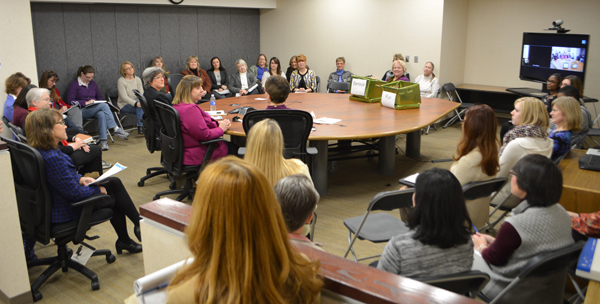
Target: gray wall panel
[104,45]
[149,29]
[169,39]
[206,36]
[128,37]
[188,34]
[50,44]
[78,36]
[222,32]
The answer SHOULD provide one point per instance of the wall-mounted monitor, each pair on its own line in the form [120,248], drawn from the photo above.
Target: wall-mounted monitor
[544,54]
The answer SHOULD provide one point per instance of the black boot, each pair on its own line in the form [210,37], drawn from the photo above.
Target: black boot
[131,246]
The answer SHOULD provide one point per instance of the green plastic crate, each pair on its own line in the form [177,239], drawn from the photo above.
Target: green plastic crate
[408,94]
[372,92]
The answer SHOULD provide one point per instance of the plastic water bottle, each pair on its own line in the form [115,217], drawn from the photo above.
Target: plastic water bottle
[213,102]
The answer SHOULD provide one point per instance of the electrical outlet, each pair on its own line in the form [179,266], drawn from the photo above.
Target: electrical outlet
[416,59]
[407,58]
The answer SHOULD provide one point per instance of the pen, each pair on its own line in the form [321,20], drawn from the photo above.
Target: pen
[475,228]
[161,286]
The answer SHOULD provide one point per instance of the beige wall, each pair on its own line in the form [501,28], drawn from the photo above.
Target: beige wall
[454,42]
[367,33]
[495,34]
[17,53]
[217,3]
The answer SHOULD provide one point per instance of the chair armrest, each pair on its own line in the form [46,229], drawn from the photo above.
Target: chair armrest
[84,221]
[209,151]
[242,151]
[208,142]
[312,150]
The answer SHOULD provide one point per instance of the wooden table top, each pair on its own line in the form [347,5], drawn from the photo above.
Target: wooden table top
[359,120]
[578,179]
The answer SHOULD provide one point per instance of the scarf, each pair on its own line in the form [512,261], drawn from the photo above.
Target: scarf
[339,73]
[521,132]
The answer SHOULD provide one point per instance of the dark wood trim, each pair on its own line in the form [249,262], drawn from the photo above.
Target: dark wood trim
[342,276]
[3,145]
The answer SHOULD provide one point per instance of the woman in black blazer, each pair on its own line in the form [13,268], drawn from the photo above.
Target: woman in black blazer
[154,81]
[235,81]
[220,83]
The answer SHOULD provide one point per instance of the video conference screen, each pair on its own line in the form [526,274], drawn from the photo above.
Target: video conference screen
[544,54]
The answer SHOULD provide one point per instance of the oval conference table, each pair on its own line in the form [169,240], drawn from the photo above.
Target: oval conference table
[359,120]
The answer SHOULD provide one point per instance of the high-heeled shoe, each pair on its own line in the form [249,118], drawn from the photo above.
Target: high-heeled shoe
[137,232]
[131,246]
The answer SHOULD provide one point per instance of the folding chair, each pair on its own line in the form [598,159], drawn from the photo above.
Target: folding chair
[468,284]
[379,227]
[450,88]
[476,190]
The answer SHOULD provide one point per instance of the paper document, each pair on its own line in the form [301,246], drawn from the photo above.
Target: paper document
[95,103]
[326,121]
[260,98]
[226,91]
[358,87]
[388,99]
[219,112]
[252,88]
[152,288]
[593,152]
[412,178]
[116,168]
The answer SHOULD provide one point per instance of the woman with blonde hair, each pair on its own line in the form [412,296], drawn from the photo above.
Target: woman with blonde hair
[197,125]
[127,101]
[529,136]
[159,62]
[240,246]
[192,67]
[566,115]
[265,151]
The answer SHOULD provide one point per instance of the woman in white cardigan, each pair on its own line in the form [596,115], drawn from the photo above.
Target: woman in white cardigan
[428,83]
[477,157]
[529,136]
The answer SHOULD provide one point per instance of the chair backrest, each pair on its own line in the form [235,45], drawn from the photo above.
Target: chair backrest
[152,139]
[174,80]
[295,125]
[318,84]
[450,88]
[171,138]
[33,197]
[390,200]
[468,283]
[475,190]
[17,132]
[113,96]
[543,278]
[342,86]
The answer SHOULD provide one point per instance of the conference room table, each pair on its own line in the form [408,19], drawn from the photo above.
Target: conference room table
[359,120]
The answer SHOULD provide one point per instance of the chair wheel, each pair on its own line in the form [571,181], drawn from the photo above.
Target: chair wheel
[110,258]
[141,183]
[69,252]
[95,285]
[37,295]
[172,186]
[155,198]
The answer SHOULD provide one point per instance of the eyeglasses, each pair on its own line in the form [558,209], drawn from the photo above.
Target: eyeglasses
[512,172]
[62,122]
[158,77]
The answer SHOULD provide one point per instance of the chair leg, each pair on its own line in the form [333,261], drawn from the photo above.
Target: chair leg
[149,174]
[453,119]
[351,241]
[110,135]
[54,267]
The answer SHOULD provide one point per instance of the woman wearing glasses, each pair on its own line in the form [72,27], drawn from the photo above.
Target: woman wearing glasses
[552,85]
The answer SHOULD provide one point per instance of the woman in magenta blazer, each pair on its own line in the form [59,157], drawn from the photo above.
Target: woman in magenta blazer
[197,125]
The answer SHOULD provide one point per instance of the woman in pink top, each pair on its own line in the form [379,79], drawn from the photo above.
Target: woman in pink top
[197,125]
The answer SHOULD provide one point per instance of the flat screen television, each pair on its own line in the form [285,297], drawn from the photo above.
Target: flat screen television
[544,54]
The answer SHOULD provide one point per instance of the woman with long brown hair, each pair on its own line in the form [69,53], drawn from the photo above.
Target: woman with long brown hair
[48,81]
[477,156]
[240,246]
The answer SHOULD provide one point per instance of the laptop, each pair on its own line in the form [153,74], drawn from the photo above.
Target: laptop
[591,160]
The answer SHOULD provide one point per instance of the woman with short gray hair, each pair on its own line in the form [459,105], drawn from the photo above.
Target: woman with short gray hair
[154,81]
[243,80]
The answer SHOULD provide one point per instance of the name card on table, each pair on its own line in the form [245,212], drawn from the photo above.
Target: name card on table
[358,87]
[388,99]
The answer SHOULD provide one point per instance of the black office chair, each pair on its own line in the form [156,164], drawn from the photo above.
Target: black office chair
[172,151]
[450,88]
[34,204]
[174,80]
[467,284]
[341,86]
[542,279]
[153,142]
[379,227]
[295,125]
[130,119]
[318,83]
[16,131]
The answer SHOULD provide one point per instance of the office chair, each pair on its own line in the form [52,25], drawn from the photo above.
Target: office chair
[172,151]
[318,84]
[379,227]
[542,279]
[153,142]
[174,80]
[17,132]
[450,88]
[468,284]
[295,125]
[35,214]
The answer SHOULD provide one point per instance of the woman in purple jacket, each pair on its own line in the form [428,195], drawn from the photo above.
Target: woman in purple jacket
[83,92]
[197,125]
